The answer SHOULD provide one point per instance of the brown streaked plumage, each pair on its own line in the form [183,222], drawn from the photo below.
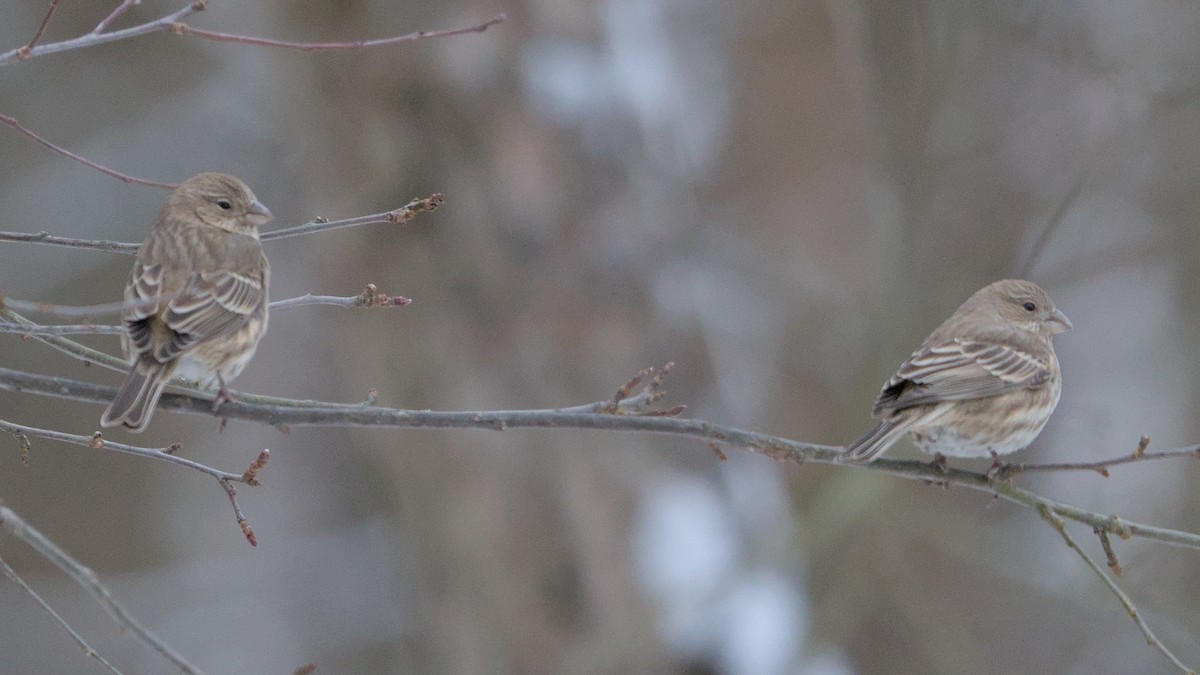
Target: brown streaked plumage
[984,383]
[203,256]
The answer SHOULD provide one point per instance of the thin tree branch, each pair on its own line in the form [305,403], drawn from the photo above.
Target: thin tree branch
[87,578]
[401,215]
[309,413]
[113,16]
[123,177]
[97,441]
[370,297]
[87,649]
[98,38]
[1102,466]
[23,53]
[184,29]
[49,239]
[1057,523]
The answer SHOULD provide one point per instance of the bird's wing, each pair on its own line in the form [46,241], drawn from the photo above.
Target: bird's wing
[210,305]
[961,369]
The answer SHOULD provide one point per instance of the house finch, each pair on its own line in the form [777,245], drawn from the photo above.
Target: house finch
[204,259]
[984,383]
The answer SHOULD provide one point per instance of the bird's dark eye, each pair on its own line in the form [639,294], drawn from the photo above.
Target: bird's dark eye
[225,206]
[1030,307]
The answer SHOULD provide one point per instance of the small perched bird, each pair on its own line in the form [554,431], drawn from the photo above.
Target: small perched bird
[984,383]
[204,260]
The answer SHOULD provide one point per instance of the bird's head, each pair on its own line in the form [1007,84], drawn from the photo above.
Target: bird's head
[222,201]
[1025,305]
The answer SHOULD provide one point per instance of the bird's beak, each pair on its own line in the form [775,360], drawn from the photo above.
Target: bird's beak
[257,208]
[1058,322]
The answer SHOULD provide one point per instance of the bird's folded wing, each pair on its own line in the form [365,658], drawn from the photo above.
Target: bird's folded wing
[210,305]
[961,369]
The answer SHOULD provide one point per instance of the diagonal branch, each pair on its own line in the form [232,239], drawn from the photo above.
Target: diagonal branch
[123,177]
[87,578]
[1057,523]
[23,53]
[87,649]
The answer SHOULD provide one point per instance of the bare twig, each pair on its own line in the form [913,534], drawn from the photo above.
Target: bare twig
[113,16]
[370,297]
[123,177]
[97,441]
[1101,467]
[1109,555]
[87,578]
[98,38]
[184,29]
[1055,521]
[294,413]
[401,215]
[87,649]
[23,53]
[83,310]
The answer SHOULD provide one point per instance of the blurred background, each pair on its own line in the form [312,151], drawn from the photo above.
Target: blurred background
[782,197]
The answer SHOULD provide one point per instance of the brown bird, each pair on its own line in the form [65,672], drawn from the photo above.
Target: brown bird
[204,260]
[984,383]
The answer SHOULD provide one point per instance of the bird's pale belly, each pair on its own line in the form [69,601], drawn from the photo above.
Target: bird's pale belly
[1002,424]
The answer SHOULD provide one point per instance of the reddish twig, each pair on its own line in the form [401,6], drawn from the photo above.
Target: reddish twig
[123,177]
[180,28]
[24,52]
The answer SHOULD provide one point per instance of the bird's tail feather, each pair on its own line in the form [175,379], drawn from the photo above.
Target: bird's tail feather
[873,443]
[138,395]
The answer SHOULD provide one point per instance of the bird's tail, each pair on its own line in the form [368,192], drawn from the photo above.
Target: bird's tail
[138,394]
[873,443]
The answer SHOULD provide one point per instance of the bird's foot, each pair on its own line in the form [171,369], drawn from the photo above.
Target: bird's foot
[223,397]
[939,463]
[996,468]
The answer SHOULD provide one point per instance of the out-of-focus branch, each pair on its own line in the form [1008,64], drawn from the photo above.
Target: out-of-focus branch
[97,441]
[87,649]
[312,413]
[123,177]
[1057,523]
[184,29]
[87,578]
[401,215]
[63,329]
[80,310]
